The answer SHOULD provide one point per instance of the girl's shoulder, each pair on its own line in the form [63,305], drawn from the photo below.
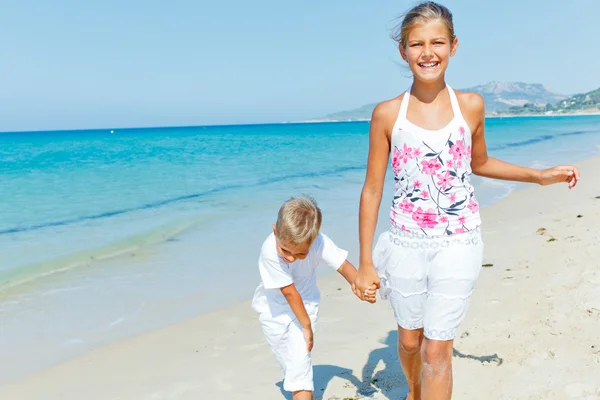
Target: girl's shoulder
[472,107]
[470,101]
[387,111]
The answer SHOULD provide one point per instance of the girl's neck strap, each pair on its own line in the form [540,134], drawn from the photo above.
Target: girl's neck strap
[404,104]
[406,98]
[453,101]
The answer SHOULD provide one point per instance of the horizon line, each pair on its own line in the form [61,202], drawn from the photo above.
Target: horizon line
[301,122]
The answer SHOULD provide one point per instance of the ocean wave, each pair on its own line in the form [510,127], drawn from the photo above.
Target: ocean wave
[492,183]
[18,276]
[177,199]
[538,139]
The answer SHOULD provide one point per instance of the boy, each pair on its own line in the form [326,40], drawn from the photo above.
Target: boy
[287,299]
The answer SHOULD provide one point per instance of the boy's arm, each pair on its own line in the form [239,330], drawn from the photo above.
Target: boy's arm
[348,271]
[297,304]
[334,257]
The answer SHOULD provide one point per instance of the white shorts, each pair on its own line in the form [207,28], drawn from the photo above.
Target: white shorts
[428,279]
[285,337]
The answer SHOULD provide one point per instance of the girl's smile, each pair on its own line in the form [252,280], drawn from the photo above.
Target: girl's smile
[428,50]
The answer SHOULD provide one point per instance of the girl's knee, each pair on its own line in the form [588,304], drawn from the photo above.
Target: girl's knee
[437,355]
[410,341]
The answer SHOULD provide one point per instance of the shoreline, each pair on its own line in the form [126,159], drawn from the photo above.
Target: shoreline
[17,278]
[521,320]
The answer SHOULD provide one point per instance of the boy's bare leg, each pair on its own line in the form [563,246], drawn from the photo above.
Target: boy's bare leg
[409,351]
[303,395]
[437,369]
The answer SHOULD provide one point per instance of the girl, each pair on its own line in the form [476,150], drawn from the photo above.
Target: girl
[429,260]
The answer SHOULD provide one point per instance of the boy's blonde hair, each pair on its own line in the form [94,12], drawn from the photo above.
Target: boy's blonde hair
[298,221]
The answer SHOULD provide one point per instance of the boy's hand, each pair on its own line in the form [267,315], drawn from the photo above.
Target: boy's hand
[308,336]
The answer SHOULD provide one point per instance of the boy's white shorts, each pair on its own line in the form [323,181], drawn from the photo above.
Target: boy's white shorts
[429,279]
[285,337]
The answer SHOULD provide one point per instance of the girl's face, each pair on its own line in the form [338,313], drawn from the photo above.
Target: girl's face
[428,50]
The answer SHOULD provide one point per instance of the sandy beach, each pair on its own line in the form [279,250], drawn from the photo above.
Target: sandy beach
[532,331]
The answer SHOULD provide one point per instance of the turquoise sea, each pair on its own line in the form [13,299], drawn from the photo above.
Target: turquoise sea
[106,235]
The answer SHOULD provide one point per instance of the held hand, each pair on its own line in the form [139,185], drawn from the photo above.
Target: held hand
[308,336]
[371,294]
[563,173]
[366,277]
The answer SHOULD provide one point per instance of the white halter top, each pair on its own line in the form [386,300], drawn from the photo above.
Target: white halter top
[432,171]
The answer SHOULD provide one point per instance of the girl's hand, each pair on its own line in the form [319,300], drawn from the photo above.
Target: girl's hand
[366,277]
[563,173]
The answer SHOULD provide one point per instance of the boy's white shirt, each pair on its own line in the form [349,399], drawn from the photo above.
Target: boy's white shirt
[276,273]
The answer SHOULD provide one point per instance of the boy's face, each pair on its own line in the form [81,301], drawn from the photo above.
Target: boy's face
[291,252]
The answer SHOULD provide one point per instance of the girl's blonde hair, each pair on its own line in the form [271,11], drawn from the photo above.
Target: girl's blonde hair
[424,12]
[298,221]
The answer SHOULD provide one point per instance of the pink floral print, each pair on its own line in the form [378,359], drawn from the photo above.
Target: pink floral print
[405,154]
[425,219]
[407,206]
[396,161]
[430,166]
[473,206]
[433,188]
[458,150]
[445,180]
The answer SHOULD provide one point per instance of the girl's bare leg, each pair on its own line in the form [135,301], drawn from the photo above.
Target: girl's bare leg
[409,351]
[303,395]
[437,369]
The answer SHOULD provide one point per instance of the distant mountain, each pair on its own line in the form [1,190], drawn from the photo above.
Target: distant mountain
[361,113]
[584,101]
[498,96]
[579,103]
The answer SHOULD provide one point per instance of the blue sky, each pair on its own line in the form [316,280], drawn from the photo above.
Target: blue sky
[74,64]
